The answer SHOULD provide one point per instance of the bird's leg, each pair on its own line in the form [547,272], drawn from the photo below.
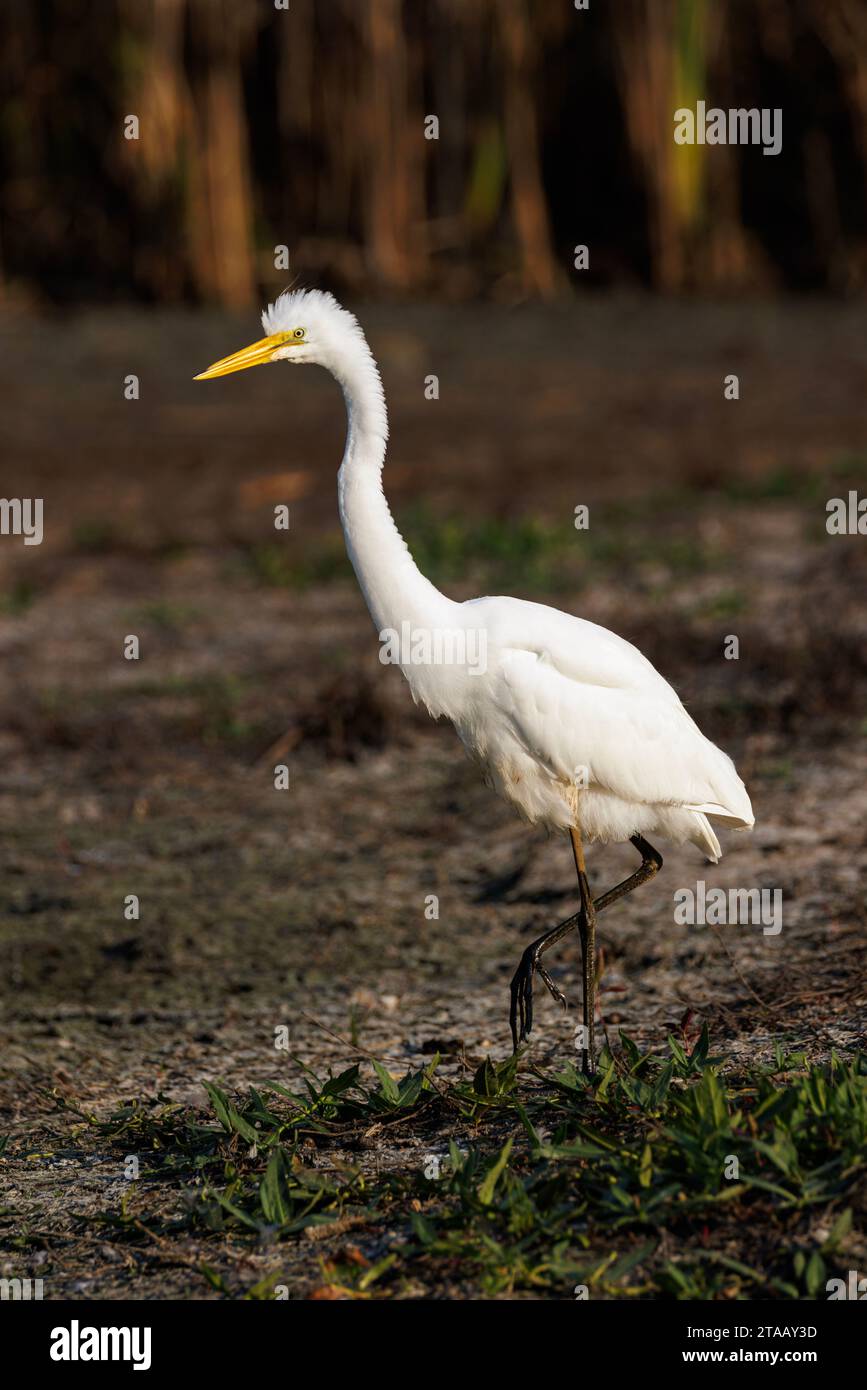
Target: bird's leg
[521,1012]
[587,932]
[651,863]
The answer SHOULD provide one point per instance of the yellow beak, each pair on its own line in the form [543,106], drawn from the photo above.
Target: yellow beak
[256,355]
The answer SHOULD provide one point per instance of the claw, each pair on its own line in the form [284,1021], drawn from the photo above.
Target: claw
[554,992]
[521,1010]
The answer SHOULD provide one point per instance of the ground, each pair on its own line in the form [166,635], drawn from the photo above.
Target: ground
[309,909]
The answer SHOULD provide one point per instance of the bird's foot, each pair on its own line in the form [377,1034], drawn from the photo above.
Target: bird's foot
[521,1010]
[554,992]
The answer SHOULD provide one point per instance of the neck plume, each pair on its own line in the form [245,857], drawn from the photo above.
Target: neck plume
[394,588]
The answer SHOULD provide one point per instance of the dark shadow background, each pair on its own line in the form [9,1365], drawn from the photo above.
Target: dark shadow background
[304,127]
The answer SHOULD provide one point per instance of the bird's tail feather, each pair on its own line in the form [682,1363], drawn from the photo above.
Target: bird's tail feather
[741,820]
[705,838]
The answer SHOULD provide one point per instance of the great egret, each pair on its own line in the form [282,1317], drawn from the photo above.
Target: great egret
[568,721]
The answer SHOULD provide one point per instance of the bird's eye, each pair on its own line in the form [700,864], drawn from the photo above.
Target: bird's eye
[299,333]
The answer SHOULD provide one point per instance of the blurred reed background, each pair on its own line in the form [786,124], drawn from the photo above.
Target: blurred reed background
[305,127]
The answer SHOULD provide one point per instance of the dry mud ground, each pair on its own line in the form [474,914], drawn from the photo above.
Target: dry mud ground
[306,907]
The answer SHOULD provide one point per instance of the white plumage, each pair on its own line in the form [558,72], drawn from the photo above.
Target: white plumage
[577,728]
[569,722]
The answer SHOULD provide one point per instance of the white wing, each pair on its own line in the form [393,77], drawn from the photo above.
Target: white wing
[576,695]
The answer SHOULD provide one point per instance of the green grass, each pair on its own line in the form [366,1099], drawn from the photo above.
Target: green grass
[494,555]
[211,708]
[525,551]
[788,484]
[17,599]
[95,536]
[661,1177]
[165,615]
[531,554]
[728,603]
[281,566]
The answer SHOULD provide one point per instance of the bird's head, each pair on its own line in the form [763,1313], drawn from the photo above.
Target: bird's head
[300,326]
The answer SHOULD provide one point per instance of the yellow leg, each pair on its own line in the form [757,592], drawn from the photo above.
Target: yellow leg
[587,932]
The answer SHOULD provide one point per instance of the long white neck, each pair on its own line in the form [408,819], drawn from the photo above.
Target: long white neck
[394,588]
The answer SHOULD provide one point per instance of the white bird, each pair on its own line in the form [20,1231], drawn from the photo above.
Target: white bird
[569,722]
